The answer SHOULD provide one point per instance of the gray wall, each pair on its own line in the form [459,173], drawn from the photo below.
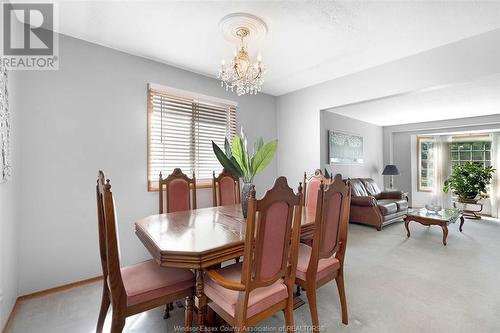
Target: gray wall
[9,219]
[91,115]
[400,147]
[372,150]
[299,111]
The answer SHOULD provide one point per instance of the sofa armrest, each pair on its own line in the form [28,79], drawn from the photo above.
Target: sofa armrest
[366,201]
[392,195]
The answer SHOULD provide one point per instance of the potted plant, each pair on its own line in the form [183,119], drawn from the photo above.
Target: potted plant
[468,180]
[237,160]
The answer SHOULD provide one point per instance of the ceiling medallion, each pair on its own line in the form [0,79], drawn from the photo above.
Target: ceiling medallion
[241,74]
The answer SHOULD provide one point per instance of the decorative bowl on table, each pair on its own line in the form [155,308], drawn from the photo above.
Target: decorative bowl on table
[433,209]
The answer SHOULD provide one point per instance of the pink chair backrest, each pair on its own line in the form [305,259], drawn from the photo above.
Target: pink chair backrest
[178,188]
[227,190]
[332,214]
[312,192]
[270,220]
[332,222]
[178,196]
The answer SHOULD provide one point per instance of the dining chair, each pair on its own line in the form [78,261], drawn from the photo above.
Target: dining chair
[136,288]
[324,260]
[225,189]
[178,187]
[246,293]
[311,186]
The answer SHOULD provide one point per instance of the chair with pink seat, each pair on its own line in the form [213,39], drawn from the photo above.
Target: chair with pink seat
[136,288]
[244,294]
[324,260]
[180,191]
[225,189]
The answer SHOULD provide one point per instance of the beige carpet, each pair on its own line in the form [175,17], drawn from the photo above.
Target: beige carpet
[394,284]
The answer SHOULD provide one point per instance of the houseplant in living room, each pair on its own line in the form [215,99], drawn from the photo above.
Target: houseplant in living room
[468,180]
[237,160]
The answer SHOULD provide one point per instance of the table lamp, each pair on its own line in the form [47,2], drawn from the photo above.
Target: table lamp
[390,170]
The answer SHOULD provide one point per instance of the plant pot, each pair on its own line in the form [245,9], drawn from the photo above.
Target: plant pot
[471,195]
[245,192]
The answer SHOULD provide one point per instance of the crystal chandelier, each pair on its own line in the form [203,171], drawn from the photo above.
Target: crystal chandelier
[241,73]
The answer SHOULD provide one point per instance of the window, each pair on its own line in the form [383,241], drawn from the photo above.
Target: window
[463,149]
[181,127]
[425,171]
[477,152]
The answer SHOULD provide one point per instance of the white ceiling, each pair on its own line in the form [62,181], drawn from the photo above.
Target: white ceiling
[308,41]
[477,98]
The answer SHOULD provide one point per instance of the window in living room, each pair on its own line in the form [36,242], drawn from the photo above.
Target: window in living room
[181,128]
[477,152]
[425,164]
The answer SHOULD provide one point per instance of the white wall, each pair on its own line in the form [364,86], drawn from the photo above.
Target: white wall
[299,112]
[9,219]
[400,145]
[91,115]
[372,166]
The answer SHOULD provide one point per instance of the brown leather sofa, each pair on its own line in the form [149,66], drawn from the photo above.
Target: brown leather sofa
[371,206]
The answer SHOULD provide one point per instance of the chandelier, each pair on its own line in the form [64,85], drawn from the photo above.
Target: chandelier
[242,74]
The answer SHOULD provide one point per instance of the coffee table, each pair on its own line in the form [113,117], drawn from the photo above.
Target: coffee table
[441,218]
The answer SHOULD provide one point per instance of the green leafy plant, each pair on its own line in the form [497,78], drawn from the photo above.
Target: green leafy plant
[238,161]
[468,180]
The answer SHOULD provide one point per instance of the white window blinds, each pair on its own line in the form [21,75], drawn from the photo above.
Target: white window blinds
[180,133]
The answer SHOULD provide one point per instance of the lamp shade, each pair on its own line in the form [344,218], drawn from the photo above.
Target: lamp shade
[390,170]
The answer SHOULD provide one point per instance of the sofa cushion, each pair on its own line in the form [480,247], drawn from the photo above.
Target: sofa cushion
[402,205]
[357,188]
[259,299]
[387,206]
[371,187]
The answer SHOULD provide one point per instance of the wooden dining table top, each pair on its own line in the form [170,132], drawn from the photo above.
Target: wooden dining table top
[201,238]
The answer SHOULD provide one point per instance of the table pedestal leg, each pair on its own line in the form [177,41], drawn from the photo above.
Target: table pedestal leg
[407,221]
[202,300]
[461,222]
[445,233]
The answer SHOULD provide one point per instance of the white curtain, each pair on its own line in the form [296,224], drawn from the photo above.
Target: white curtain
[495,183]
[441,170]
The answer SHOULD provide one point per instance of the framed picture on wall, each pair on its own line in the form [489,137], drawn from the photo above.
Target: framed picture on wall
[344,148]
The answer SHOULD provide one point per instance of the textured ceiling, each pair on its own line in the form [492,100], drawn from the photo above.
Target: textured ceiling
[308,41]
[477,98]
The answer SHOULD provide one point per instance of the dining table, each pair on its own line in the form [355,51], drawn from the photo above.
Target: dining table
[201,238]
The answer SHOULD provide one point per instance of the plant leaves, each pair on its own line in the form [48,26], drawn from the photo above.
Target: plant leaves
[226,163]
[227,148]
[263,157]
[239,155]
[258,145]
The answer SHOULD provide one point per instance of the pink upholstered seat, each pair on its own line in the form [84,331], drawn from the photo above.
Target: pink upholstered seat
[259,299]
[147,280]
[325,266]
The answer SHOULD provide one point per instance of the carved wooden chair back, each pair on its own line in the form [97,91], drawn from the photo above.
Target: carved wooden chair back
[107,222]
[225,189]
[272,238]
[331,224]
[311,187]
[101,224]
[178,187]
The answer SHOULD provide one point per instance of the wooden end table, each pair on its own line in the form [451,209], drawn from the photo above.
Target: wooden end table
[443,218]
[470,213]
